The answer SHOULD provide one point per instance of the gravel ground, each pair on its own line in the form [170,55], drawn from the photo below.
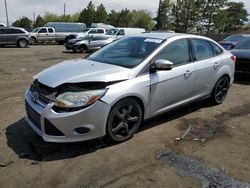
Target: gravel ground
[215,136]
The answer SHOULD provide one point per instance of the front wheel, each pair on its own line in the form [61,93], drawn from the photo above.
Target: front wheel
[220,90]
[124,120]
[22,43]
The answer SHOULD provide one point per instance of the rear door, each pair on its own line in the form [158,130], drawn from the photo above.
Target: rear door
[174,87]
[51,34]
[206,66]
[9,36]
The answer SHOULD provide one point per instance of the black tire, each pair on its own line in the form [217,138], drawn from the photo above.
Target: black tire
[81,49]
[220,90]
[22,43]
[123,121]
[60,42]
[33,40]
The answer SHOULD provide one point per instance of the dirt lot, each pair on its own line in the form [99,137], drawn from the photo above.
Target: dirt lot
[214,153]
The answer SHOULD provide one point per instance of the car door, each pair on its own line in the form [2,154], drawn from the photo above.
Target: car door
[206,66]
[43,34]
[173,87]
[1,36]
[51,34]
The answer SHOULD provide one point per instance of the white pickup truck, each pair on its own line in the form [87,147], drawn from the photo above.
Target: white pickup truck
[56,31]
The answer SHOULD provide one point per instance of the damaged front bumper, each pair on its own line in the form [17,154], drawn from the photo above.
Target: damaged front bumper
[85,124]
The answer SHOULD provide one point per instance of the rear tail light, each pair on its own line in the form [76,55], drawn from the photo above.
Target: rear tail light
[233,57]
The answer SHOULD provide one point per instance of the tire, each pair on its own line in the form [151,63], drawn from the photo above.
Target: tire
[81,49]
[220,90]
[22,43]
[123,121]
[60,42]
[33,41]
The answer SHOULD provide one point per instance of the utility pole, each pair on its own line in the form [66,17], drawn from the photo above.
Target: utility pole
[6,11]
[34,16]
[64,10]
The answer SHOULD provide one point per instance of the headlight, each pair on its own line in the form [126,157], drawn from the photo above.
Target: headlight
[79,99]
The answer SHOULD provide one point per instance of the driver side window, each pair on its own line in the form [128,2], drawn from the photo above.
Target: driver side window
[176,52]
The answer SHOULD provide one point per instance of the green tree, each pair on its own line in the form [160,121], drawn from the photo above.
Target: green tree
[142,19]
[164,14]
[236,16]
[124,18]
[87,15]
[101,14]
[39,22]
[211,10]
[23,22]
[51,17]
[113,18]
[186,15]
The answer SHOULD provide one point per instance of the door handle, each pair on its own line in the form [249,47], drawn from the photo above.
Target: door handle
[216,65]
[187,73]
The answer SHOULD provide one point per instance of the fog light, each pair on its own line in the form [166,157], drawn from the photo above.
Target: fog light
[82,130]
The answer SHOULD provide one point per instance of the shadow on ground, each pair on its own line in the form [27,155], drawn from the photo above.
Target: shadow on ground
[27,144]
[243,79]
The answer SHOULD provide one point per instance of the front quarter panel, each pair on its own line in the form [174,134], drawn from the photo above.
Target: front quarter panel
[138,87]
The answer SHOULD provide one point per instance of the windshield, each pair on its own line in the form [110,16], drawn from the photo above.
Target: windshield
[128,52]
[244,45]
[236,38]
[35,30]
[111,31]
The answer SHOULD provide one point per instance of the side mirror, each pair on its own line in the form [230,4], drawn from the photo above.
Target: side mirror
[162,64]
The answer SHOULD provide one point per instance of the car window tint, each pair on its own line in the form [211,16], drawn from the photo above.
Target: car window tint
[50,30]
[92,31]
[244,45]
[43,30]
[177,52]
[202,49]
[121,32]
[216,48]
[100,31]
[18,31]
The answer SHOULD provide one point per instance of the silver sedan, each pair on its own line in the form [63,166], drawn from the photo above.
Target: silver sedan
[112,91]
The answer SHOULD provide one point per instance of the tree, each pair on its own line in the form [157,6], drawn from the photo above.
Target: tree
[186,15]
[101,14]
[235,15]
[163,15]
[142,19]
[87,15]
[211,10]
[39,22]
[50,17]
[124,18]
[113,18]
[23,22]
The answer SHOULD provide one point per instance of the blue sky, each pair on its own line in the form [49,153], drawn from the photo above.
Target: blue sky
[18,8]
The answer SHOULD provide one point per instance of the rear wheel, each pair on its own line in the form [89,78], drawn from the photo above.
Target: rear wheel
[22,43]
[81,49]
[124,120]
[220,90]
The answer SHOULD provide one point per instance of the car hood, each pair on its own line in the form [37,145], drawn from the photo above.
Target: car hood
[81,70]
[241,53]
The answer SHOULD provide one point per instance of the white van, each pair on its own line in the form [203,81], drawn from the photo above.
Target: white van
[2,25]
[124,31]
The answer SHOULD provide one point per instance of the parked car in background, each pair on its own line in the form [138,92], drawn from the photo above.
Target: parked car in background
[112,91]
[88,43]
[56,31]
[2,25]
[242,53]
[14,36]
[89,31]
[125,31]
[233,40]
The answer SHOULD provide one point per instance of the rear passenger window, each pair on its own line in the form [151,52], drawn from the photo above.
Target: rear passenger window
[100,31]
[18,31]
[202,49]
[216,48]
[50,30]
[177,53]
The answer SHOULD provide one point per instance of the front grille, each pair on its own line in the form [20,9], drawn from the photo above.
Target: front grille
[34,116]
[50,129]
[46,94]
